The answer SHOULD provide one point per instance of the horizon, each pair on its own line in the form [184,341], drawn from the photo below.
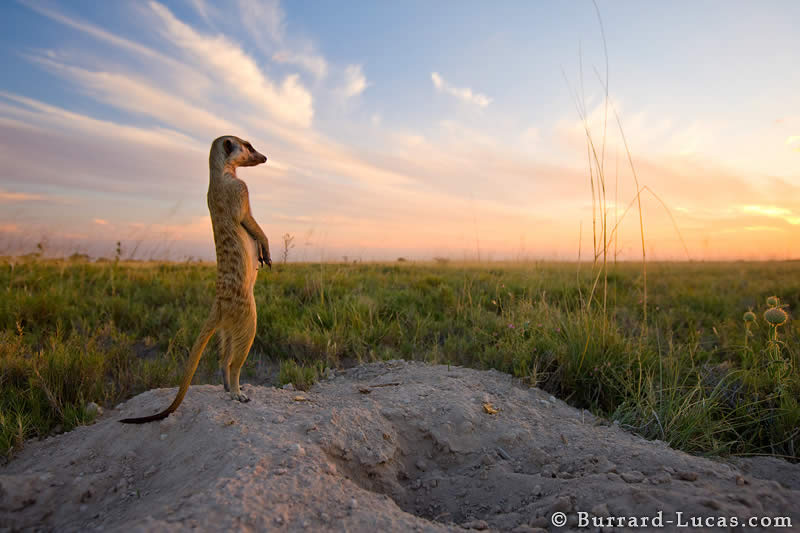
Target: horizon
[426,132]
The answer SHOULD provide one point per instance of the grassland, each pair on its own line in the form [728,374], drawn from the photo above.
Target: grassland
[73,332]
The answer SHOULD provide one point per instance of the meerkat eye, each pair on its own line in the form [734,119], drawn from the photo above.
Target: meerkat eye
[249,147]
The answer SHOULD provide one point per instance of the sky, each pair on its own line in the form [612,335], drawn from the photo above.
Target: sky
[468,130]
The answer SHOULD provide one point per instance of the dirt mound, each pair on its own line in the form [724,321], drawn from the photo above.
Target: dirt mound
[394,446]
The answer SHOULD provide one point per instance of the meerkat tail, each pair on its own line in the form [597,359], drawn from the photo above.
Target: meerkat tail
[208,330]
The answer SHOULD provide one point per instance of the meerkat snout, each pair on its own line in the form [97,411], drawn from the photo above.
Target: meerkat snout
[243,154]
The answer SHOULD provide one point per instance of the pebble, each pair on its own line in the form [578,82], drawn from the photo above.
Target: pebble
[632,477]
[163,436]
[502,453]
[540,522]
[550,470]
[601,509]
[93,409]
[661,479]
[562,504]
[420,464]
[288,386]
[353,503]
[740,481]
[712,504]
[687,475]
[480,525]
[330,469]
[296,449]
[487,460]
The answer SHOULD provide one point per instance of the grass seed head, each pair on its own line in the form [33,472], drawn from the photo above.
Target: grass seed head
[776,316]
[749,316]
[773,301]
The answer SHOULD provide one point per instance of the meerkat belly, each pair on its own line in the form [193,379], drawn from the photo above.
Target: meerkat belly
[250,256]
[236,265]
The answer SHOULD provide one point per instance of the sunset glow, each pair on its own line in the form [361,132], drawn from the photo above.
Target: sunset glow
[411,129]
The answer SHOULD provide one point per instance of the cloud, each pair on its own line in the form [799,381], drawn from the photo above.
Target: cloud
[464,94]
[265,22]
[202,8]
[138,96]
[314,64]
[100,222]
[77,153]
[6,196]
[772,211]
[355,81]
[289,102]
[47,117]
[9,228]
[264,19]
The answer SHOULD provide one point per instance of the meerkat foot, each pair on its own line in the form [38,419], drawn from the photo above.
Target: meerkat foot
[240,397]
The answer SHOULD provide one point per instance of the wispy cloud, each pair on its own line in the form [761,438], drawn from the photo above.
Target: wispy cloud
[139,96]
[6,196]
[355,81]
[289,101]
[265,22]
[314,64]
[100,222]
[773,212]
[464,94]
[9,228]
[202,8]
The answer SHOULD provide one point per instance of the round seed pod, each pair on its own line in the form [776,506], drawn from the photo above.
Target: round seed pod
[773,301]
[776,316]
[749,316]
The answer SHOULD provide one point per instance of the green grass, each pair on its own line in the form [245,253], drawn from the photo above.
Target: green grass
[72,332]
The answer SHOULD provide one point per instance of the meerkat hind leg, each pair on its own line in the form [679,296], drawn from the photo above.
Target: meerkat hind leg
[241,342]
[225,357]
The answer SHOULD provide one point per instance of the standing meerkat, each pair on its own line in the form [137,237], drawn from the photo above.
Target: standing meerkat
[241,246]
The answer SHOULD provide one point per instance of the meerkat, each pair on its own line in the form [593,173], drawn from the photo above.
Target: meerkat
[241,246]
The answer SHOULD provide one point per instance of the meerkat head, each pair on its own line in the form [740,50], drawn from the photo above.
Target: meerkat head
[236,152]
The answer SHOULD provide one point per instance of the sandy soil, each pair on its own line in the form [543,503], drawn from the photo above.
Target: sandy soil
[391,446]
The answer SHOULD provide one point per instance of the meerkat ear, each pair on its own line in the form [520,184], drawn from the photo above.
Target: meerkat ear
[228,146]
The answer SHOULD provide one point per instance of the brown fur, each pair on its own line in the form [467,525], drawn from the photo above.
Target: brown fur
[241,245]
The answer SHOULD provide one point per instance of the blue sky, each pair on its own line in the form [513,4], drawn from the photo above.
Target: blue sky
[401,128]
